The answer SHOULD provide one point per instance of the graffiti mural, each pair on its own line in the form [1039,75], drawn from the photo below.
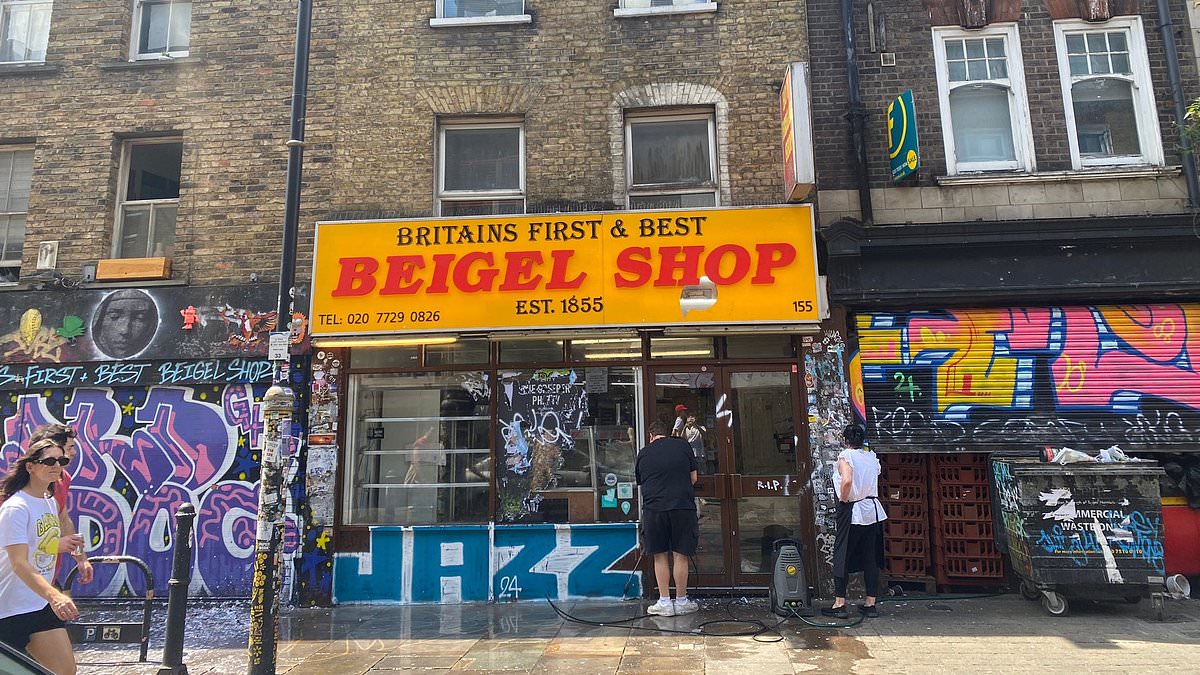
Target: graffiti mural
[474,563]
[1022,378]
[171,322]
[142,452]
[829,412]
[540,413]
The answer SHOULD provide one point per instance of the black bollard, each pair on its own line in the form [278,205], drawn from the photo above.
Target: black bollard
[177,589]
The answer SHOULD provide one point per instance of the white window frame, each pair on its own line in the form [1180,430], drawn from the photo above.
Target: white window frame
[627,8]
[1018,101]
[1144,108]
[441,20]
[154,204]
[7,5]
[13,150]
[444,195]
[135,36]
[631,190]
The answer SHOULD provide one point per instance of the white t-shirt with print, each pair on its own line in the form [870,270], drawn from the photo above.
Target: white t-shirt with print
[25,519]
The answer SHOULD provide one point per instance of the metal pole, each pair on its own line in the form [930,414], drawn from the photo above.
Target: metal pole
[856,114]
[1166,29]
[177,588]
[279,400]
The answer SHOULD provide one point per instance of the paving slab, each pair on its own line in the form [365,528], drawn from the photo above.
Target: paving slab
[980,635]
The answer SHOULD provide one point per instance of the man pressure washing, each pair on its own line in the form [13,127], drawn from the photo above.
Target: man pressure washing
[666,473]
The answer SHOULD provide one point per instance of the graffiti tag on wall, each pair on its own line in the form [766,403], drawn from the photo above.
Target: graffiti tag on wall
[142,452]
[473,563]
[1082,377]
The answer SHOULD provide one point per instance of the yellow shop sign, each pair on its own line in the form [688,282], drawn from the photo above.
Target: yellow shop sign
[642,268]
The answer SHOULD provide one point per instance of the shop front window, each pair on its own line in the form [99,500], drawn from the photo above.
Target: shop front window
[566,441]
[420,451]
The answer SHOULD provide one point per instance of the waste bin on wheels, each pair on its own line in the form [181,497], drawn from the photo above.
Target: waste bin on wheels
[1083,531]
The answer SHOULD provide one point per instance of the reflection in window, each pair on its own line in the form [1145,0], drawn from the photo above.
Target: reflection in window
[24,31]
[481,168]
[764,421]
[1106,79]
[531,351]
[420,451]
[671,161]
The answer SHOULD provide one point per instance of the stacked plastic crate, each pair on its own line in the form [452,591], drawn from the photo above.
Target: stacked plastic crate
[962,510]
[904,491]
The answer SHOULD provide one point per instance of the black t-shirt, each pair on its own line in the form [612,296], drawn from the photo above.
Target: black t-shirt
[664,470]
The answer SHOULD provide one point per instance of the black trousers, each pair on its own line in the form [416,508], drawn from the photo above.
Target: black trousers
[865,536]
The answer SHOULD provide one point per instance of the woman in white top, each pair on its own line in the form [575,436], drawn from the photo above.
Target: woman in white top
[858,545]
[32,610]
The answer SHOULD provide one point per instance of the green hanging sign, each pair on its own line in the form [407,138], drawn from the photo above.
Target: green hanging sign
[903,148]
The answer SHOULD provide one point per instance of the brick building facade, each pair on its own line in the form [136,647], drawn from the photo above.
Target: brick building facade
[1043,233]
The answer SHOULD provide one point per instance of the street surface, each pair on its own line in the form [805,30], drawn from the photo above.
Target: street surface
[1003,634]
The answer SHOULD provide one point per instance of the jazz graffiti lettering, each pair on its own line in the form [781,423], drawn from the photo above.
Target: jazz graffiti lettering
[1082,376]
[142,452]
[502,563]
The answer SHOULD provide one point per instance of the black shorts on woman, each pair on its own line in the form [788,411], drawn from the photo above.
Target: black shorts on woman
[16,630]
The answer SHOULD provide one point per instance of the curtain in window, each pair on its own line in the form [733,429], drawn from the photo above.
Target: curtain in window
[982,124]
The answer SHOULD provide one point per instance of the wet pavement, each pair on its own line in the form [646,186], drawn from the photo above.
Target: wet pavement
[981,635]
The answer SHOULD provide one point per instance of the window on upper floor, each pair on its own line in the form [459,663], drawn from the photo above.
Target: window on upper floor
[1111,115]
[149,200]
[981,96]
[16,176]
[161,28]
[24,30]
[642,7]
[465,9]
[671,160]
[481,167]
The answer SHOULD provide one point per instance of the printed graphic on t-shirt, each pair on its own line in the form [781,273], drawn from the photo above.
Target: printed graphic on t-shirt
[46,551]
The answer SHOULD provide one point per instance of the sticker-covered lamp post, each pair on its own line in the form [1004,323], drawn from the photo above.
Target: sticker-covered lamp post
[279,400]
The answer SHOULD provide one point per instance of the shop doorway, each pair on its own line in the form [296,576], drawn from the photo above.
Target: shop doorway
[743,423]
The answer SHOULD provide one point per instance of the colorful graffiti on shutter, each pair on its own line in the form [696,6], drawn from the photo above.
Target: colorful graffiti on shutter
[143,451]
[1086,377]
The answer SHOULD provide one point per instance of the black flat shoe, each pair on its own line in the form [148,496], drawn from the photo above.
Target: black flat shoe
[836,612]
[871,612]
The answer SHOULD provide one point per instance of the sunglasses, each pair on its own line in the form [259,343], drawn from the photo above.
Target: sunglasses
[51,461]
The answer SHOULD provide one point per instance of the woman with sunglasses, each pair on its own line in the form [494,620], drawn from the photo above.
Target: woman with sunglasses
[32,610]
[71,543]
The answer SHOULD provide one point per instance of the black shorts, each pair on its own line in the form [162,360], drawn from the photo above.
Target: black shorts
[676,530]
[16,630]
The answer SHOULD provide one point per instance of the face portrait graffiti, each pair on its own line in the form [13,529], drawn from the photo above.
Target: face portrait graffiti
[125,323]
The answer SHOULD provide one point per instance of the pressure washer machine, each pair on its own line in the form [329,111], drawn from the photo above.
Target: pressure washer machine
[789,592]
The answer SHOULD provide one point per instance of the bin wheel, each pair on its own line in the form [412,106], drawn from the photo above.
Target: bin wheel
[1030,592]
[1133,599]
[1055,604]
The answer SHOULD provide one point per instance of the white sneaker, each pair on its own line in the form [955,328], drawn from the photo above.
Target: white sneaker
[686,606]
[662,608]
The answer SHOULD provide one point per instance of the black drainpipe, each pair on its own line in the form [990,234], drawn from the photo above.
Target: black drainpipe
[1166,29]
[857,114]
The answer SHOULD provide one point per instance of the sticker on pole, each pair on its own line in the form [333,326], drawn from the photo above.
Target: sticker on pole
[277,347]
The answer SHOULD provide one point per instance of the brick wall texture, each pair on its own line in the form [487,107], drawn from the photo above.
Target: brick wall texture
[909,37]
[380,79]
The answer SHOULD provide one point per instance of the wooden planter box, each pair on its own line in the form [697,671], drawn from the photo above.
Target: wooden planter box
[133,269]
